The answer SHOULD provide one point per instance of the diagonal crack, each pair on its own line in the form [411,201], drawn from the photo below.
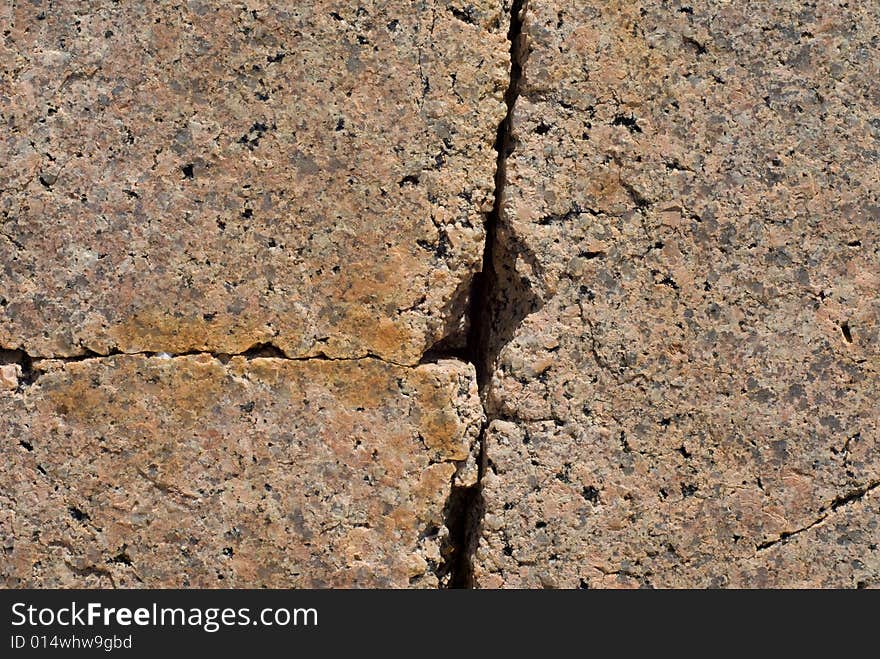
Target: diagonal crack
[838,503]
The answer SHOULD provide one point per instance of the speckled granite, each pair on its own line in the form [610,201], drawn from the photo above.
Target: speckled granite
[213,175]
[278,209]
[690,233]
[132,471]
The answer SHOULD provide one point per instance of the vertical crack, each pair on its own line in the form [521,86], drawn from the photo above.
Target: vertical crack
[484,305]
[466,507]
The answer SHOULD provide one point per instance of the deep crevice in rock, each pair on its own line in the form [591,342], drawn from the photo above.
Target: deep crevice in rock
[488,312]
[491,324]
[463,515]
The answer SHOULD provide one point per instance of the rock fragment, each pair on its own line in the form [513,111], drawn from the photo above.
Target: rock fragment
[9,374]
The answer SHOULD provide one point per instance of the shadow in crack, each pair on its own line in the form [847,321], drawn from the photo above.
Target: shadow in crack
[464,516]
[500,298]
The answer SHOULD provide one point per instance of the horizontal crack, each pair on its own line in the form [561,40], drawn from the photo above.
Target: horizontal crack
[30,372]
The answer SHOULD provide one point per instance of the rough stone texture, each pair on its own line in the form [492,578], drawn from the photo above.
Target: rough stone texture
[690,234]
[214,175]
[131,471]
[277,210]
[185,182]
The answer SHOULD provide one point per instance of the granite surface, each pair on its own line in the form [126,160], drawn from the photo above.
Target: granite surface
[690,238]
[190,472]
[443,293]
[275,209]
[214,175]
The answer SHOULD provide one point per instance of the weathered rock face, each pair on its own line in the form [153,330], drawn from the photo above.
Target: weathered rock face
[238,249]
[213,175]
[132,471]
[691,221]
